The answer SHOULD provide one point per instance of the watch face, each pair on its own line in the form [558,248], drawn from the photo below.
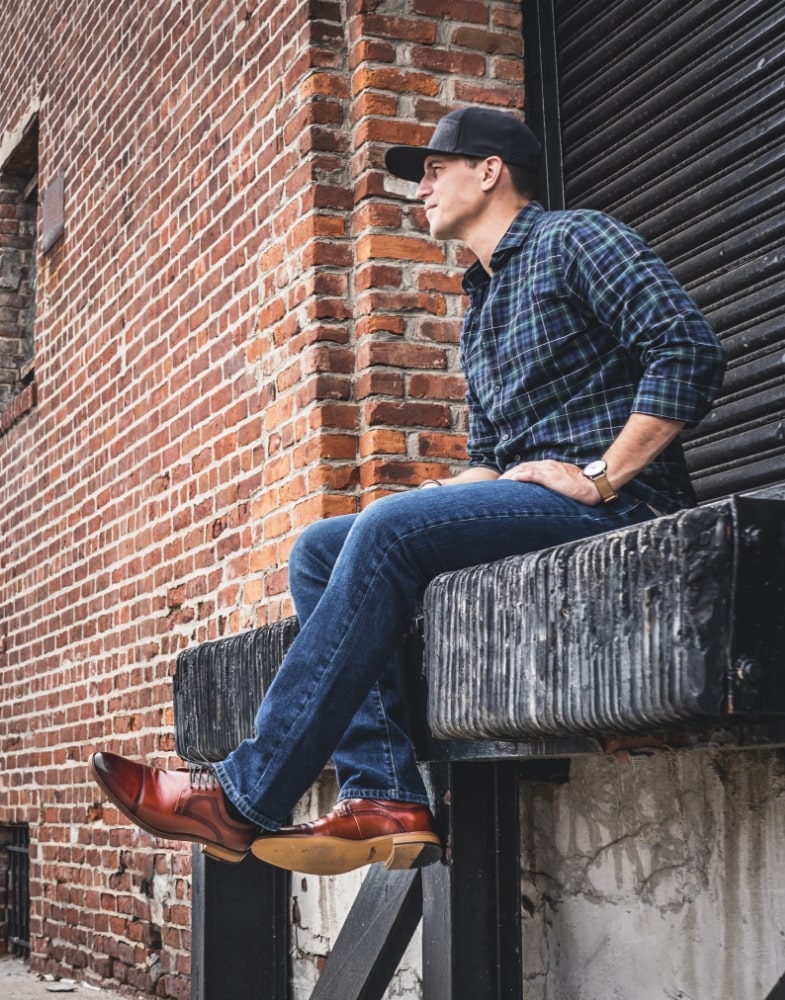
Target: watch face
[595,468]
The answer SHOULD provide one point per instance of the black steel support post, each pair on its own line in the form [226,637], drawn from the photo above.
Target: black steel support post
[471,902]
[240,930]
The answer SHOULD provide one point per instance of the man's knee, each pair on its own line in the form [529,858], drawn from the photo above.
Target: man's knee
[318,545]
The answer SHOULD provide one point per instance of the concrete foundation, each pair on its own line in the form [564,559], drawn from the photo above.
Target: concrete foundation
[656,878]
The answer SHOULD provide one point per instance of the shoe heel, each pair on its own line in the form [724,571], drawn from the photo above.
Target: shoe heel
[223,854]
[416,855]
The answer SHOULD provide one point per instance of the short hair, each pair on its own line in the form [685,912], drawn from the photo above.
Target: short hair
[523,179]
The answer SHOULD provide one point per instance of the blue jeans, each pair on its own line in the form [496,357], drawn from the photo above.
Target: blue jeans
[355,581]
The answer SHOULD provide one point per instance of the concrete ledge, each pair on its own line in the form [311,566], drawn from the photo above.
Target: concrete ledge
[674,623]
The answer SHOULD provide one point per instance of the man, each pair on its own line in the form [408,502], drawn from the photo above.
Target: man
[583,359]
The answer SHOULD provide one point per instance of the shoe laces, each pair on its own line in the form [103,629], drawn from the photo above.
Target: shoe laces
[201,772]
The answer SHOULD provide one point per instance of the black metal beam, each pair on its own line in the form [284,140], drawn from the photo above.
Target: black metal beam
[372,941]
[240,930]
[778,993]
[543,104]
[471,902]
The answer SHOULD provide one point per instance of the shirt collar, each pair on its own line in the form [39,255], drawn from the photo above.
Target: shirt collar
[476,276]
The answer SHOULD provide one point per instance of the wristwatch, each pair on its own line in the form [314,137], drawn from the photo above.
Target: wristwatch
[598,473]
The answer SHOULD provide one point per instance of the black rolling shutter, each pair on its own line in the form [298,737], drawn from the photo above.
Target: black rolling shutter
[671,116]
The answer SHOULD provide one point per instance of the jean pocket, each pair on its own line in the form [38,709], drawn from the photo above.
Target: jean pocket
[625,507]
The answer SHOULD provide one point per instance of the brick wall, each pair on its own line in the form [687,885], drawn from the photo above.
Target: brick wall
[243,329]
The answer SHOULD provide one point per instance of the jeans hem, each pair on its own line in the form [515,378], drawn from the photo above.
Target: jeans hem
[384,794]
[241,804]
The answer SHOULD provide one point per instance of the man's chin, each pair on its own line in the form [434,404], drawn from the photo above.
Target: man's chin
[440,232]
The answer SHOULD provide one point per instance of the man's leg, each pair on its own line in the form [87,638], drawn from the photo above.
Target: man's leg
[393,549]
[374,763]
[375,757]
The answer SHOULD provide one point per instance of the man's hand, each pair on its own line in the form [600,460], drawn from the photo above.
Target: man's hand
[561,477]
[641,439]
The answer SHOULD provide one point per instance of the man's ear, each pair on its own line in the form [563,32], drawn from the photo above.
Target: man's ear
[492,167]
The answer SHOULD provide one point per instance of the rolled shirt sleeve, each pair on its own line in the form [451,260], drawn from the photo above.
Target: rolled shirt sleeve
[613,272]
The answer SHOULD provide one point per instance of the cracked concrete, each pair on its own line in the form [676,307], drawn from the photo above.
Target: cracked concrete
[658,878]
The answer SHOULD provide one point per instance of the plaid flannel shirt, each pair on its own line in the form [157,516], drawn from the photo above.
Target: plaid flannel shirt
[580,325]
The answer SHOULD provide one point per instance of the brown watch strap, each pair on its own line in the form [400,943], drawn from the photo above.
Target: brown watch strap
[606,491]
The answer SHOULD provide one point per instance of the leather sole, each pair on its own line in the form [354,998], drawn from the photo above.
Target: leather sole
[216,851]
[319,855]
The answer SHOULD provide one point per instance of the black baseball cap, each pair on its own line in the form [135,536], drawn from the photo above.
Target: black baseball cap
[476,132]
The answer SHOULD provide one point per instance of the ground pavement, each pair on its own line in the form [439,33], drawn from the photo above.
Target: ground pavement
[17,982]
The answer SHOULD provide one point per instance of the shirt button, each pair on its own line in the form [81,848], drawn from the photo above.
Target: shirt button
[497,388]
[505,437]
[517,458]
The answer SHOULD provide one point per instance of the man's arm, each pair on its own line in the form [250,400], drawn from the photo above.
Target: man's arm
[640,441]
[474,474]
[629,290]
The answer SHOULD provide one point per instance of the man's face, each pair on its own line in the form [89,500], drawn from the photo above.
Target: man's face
[452,195]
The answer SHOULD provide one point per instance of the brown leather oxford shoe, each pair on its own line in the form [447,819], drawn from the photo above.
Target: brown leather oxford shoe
[356,832]
[183,804]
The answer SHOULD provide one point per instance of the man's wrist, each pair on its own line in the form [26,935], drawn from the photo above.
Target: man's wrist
[597,472]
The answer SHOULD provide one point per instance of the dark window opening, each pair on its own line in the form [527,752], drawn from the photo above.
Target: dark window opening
[15,890]
[18,236]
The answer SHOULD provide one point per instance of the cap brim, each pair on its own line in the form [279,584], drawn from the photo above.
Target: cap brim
[407,162]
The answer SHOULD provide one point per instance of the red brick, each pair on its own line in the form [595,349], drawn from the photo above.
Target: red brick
[400,355]
[503,96]
[379,323]
[334,415]
[473,11]
[449,446]
[509,43]
[441,281]
[450,61]
[323,505]
[403,302]
[331,477]
[380,246]
[323,84]
[507,69]
[327,446]
[322,253]
[397,80]
[372,275]
[383,472]
[371,50]
[374,214]
[383,442]
[378,382]
[357,7]
[421,386]
[323,387]
[406,414]
[372,103]
[407,29]
[507,17]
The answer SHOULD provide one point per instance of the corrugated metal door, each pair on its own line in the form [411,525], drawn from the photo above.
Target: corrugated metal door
[670,114]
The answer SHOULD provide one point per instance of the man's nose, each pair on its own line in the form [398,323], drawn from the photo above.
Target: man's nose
[422,189]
